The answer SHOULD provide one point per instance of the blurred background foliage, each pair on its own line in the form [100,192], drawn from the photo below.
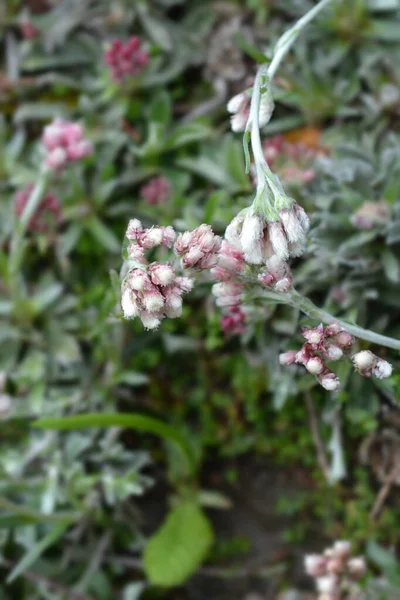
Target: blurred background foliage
[78,506]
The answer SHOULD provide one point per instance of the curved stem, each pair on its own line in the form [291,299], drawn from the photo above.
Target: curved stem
[308,308]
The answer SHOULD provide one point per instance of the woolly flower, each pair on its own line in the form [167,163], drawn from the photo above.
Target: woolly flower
[367,364]
[259,239]
[199,248]
[292,161]
[239,108]
[48,214]
[125,59]
[146,239]
[153,293]
[64,143]
[322,344]
[156,191]
[336,571]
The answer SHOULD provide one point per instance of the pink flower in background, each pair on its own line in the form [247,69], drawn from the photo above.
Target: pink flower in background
[47,215]
[28,29]
[234,321]
[156,191]
[65,142]
[292,161]
[125,58]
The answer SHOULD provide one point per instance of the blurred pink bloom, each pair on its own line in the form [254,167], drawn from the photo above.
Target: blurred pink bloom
[156,191]
[47,215]
[125,58]
[64,142]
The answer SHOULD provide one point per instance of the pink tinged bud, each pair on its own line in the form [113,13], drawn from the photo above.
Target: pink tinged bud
[162,275]
[288,358]
[327,584]
[151,238]
[382,369]
[139,280]
[153,301]
[315,366]
[168,236]
[237,102]
[335,566]
[266,279]
[192,257]
[56,159]
[315,565]
[183,242]
[314,336]
[329,382]
[185,284]
[129,305]
[308,175]
[173,306]
[334,352]
[304,355]
[156,191]
[136,253]
[230,257]
[278,240]
[364,360]
[150,320]
[52,136]
[79,150]
[332,329]
[357,567]
[283,285]
[342,548]
[135,229]
[302,217]
[344,339]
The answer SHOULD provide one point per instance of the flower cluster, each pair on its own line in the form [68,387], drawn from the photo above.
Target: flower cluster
[28,29]
[370,215]
[125,59]
[47,215]
[329,344]
[199,248]
[156,191]
[64,142]
[291,160]
[336,572]
[239,108]
[234,320]
[367,364]
[231,263]
[152,291]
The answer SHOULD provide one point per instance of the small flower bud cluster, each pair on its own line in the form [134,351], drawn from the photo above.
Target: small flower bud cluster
[239,108]
[260,239]
[156,191]
[198,248]
[332,343]
[322,344]
[231,263]
[367,364]
[233,321]
[146,239]
[370,215]
[125,59]
[153,293]
[47,215]
[292,161]
[64,142]
[278,276]
[336,572]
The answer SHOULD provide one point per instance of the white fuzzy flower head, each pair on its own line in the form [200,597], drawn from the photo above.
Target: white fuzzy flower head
[327,584]
[382,369]
[315,565]
[334,352]
[250,238]
[329,382]
[129,305]
[153,301]
[342,548]
[315,366]
[364,360]
[278,240]
[149,320]
[357,566]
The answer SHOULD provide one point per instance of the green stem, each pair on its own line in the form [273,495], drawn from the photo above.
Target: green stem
[16,250]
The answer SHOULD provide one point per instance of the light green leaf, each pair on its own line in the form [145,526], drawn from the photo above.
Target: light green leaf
[177,549]
[103,235]
[129,420]
[37,550]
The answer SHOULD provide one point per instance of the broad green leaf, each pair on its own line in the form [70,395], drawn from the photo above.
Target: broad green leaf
[391,266]
[131,421]
[103,235]
[37,550]
[177,549]
[186,134]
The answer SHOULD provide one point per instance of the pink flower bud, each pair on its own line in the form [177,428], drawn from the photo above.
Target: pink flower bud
[162,275]
[342,548]
[315,366]
[283,285]
[382,369]
[315,565]
[334,352]
[329,381]
[139,280]
[363,361]
[156,191]
[134,230]
[357,567]
[278,240]
[344,339]
[56,159]
[153,301]
[287,358]
[129,305]
[150,320]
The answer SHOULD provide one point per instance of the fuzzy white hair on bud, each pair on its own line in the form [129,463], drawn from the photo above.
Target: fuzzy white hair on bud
[150,321]
[363,360]
[382,369]
[250,238]
[278,240]
[128,304]
[315,366]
